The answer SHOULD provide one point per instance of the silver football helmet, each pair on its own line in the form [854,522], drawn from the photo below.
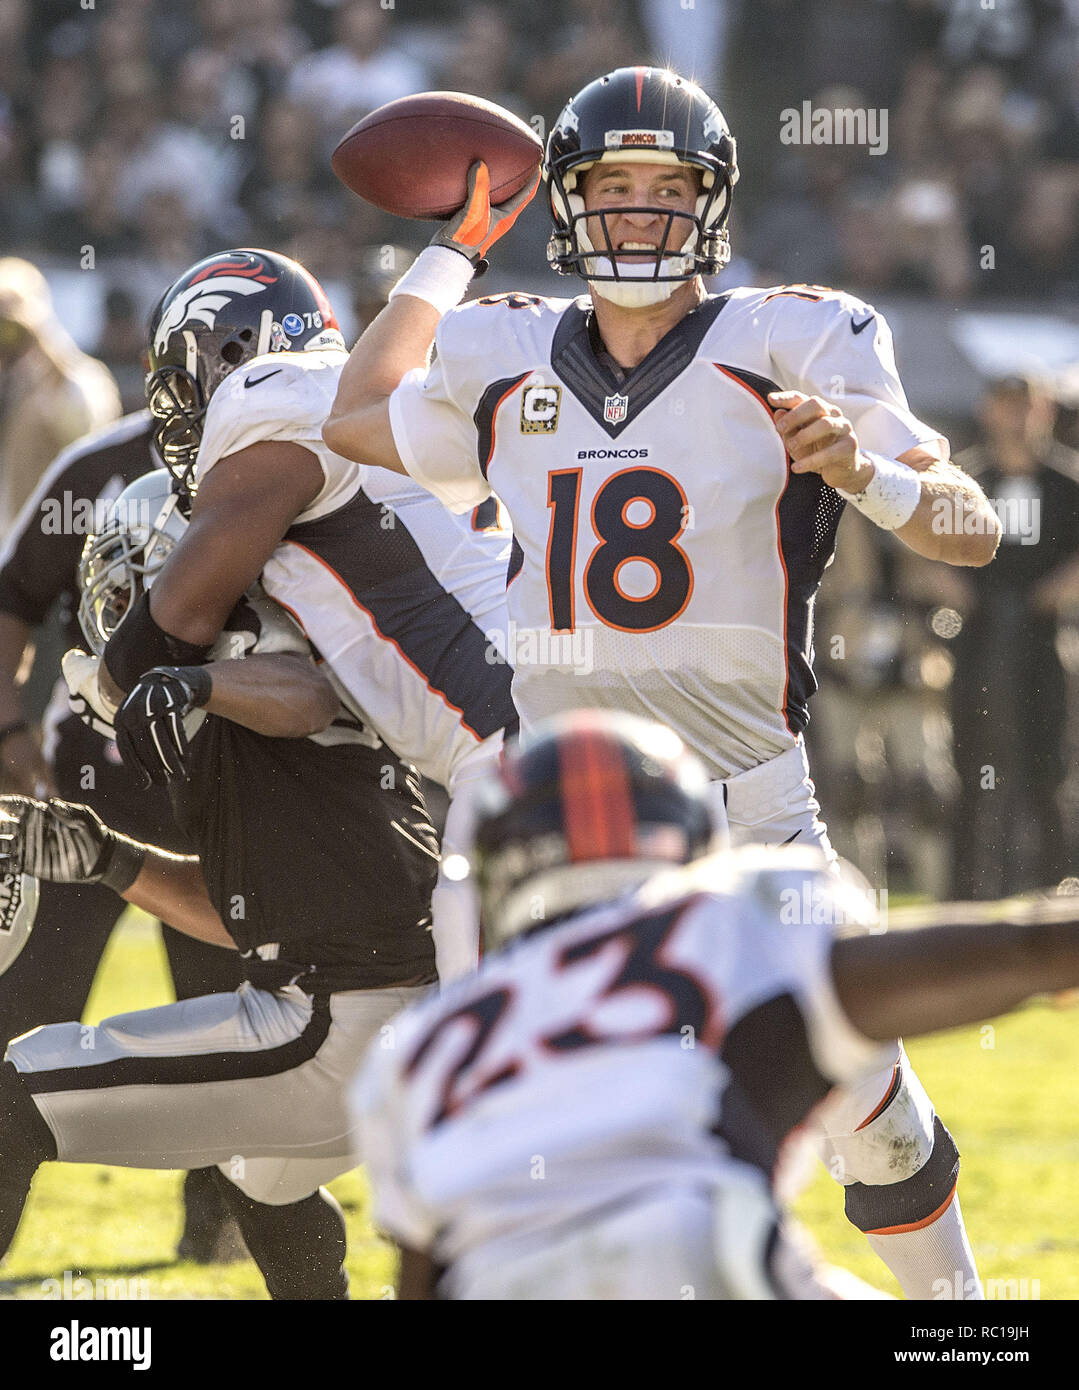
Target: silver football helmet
[141,529]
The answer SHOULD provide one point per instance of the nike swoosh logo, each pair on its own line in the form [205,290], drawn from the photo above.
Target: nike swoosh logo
[791,840]
[857,327]
[258,380]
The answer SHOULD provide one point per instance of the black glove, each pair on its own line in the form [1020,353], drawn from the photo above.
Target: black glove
[149,724]
[64,843]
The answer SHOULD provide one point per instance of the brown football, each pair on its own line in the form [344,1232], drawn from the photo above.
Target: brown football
[411,157]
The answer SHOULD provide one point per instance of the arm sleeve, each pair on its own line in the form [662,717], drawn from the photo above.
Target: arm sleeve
[816,350]
[434,432]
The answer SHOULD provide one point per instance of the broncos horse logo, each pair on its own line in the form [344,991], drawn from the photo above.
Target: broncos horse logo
[203,299]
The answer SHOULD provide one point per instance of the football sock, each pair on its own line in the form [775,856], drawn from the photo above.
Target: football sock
[934,1261]
[25,1142]
[299,1246]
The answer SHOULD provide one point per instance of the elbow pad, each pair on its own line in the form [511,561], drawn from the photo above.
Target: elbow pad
[138,645]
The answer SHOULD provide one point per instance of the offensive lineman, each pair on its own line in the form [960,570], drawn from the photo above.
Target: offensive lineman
[599,1112]
[314,847]
[674,466]
[404,603]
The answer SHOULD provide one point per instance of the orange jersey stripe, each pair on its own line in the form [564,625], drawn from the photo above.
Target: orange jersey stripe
[392,642]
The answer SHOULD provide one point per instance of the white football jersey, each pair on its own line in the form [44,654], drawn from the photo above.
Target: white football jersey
[670,558]
[404,602]
[661,1040]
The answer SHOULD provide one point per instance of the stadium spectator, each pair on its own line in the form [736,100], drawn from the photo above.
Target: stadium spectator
[983,149]
[363,69]
[122,343]
[50,392]
[1009,692]
[597,36]
[201,167]
[479,57]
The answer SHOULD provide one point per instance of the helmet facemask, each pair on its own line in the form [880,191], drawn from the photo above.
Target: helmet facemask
[116,566]
[692,244]
[175,400]
[178,398]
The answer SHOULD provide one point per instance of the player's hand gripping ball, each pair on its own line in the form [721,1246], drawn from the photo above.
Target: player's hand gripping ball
[479,224]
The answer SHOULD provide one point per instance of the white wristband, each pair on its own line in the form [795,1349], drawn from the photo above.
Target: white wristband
[439,276]
[891,495]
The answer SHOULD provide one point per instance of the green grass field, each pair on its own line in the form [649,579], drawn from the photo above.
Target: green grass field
[1008,1094]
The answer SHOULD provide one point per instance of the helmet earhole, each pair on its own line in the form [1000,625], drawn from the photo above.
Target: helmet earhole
[232,353]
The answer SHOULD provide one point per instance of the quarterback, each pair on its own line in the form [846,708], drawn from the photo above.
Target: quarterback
[674,465]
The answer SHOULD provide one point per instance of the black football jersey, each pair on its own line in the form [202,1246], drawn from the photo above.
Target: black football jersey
[324,854]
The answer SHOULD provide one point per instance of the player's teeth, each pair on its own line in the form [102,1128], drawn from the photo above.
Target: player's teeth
[636,246]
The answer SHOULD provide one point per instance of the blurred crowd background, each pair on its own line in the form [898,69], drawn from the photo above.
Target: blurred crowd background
[138,135]
[157,130]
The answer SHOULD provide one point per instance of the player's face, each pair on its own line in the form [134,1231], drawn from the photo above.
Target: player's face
[660,188]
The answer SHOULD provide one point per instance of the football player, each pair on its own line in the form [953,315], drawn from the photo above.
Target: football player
[404,603]
[674,465]
[600,1111]
[315,859]
[51,980]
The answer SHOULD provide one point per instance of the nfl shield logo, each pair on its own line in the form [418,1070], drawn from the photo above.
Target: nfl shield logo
[615,408]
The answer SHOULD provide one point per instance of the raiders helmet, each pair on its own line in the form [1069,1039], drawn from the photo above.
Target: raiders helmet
[640,115]
[138,534]
[218,315]
[139,530]
[590,807]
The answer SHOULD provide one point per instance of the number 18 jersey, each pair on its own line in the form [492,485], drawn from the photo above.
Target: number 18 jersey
[667,558]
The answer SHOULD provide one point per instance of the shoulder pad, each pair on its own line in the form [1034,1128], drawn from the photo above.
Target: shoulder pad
[495,336]
[813,303]
[286,396]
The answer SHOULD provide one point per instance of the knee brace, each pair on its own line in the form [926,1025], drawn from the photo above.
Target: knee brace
[904,1204]
[25,1142]
[298,1247]
[900,1165]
